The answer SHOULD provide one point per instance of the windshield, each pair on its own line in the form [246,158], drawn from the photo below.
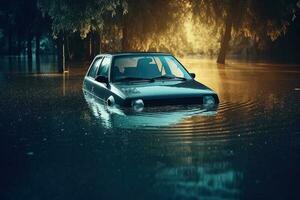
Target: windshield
[146,68]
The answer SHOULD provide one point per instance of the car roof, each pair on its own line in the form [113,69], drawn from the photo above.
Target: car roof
[134,54]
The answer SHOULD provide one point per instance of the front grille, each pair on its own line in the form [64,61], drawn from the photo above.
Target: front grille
[173,101]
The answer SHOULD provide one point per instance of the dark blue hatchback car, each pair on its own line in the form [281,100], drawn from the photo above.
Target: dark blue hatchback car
[144,79]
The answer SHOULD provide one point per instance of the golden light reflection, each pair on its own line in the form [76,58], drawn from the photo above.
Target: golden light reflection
[187,36]
[202,38]
[206,70]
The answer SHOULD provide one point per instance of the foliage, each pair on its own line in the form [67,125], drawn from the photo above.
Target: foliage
[77,15]
[181,26]
[21,21]
[154,25]
[257,20]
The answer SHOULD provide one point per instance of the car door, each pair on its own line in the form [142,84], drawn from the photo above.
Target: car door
[89,81]
[102,90]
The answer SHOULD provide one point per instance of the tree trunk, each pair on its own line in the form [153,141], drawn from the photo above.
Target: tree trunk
[234,11]
[37,46]
[29,64]
[95,48]
[19,47]
[91,45]
[225,39]
[37,53]
[9,42]
[68,52]
[96,43]
[38,64]
[60,53]
[100,43]
[29,48]
[125,43]
[29,53]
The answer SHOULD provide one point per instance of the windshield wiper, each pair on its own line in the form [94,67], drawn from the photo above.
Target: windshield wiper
[133,79]
[148,79]
[168,77]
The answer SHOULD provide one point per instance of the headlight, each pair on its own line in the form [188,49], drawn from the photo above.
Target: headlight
[208,100]
[137,105]
[110,101]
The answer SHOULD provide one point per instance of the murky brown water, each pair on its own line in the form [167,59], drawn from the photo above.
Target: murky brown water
[57,143]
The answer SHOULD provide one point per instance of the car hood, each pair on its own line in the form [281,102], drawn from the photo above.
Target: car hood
[162,89]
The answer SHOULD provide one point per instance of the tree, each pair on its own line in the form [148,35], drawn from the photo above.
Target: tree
[8,12]
[260,21]
[152,25]
[77,16]
[26,16]
[22,21]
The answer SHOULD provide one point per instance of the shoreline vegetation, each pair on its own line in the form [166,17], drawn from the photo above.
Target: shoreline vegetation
[266,30]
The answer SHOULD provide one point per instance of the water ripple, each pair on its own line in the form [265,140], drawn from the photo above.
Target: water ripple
[193,124]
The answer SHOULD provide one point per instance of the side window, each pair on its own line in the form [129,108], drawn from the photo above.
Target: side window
[94,67]
[174,67]
[160,66]
[103,70]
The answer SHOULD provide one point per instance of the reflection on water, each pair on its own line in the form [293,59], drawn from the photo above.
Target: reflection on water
[200,181]
[155,117]
[58,143]
[21,64]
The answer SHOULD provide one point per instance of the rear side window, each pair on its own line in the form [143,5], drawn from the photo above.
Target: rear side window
[93,70]
[103,70]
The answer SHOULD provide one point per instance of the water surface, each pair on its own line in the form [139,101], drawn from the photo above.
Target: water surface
[57,143]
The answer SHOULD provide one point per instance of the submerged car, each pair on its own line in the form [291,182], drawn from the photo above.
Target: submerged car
[151,117]
[144,79]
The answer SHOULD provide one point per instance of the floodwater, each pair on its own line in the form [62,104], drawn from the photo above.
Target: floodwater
[57,143]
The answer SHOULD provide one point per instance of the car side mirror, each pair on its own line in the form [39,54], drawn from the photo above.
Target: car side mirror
[102,79]
[193,75]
